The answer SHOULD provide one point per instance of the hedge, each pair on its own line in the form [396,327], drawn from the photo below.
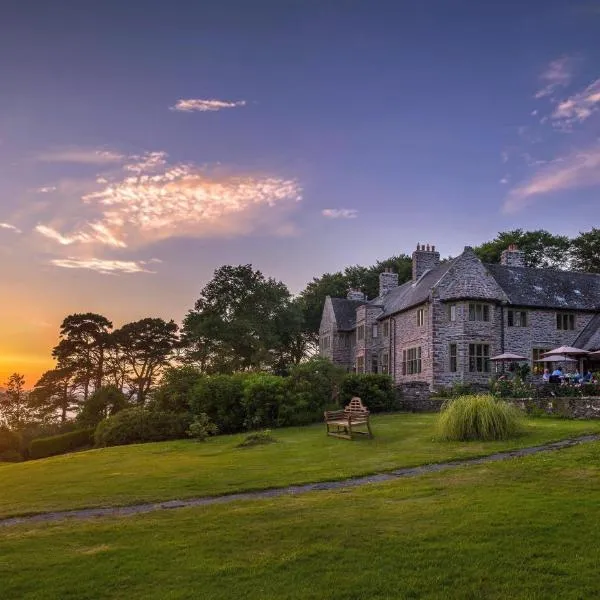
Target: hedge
[60,444]
[376,391]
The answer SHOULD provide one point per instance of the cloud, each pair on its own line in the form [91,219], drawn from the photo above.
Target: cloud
[46,189]
[10,227]
[199,105]
[581,169]
[84,156]
[558,74]
[155,200]
[340,213]
[577,108]
[504,180]
[105,267]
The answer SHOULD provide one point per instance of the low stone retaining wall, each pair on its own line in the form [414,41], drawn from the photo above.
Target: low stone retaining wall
[560,406]
[416,397]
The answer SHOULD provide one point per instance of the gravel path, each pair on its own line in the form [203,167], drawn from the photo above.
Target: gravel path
[136,509]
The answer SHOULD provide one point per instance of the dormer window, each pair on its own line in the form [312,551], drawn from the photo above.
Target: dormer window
[479,312]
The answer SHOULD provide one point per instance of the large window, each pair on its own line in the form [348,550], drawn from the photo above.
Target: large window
[479,312]
[360,364]
[565,321]
[479,358]
[420,317]
[536,354]
[386,329]
[411,361]
[385,363]
[453,353]
[517,318]
[374,365]
[360,333]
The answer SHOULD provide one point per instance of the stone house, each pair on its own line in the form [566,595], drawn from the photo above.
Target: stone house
[444,325]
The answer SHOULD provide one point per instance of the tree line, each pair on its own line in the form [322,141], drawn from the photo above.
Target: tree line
[242,321]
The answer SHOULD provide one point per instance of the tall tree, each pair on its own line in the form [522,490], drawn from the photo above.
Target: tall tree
[84,339]
[145,348]
[54,394]
[14,408]
[541,248]
[586,251]
[239,322]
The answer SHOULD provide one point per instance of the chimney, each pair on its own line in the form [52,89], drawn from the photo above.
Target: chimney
[355,295]
[423,259]
[512,257]
[387,281]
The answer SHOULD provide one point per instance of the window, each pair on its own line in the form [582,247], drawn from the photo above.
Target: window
[360,333]
[479,312]
[452,312]
[386,329]
[411,361]
[565,321]
[453,353]
[326,342]
[479,355]
[374,365]
[536,354]
[360,364]
[375,331]
[420,317]
[517,318]
[345,341]
[385,363]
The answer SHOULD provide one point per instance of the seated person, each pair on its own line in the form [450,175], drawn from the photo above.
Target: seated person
[546,376]
[557,372]
[587,378]
[576,377]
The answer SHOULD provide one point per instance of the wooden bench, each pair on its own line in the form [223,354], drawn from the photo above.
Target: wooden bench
[344,423]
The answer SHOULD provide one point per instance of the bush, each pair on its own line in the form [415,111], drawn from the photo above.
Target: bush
[201,427]
[104,402]
[376,391]
[176,390]
[10,445]
[257,438]
[138,425]
[61,444]
[483,418]
[312,387]
[263,396]
[221,398]
[453,391]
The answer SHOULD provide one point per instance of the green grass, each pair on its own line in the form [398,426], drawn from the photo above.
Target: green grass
[184,469]
[525,528]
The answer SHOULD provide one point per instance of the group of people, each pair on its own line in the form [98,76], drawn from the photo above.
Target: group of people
[557,376]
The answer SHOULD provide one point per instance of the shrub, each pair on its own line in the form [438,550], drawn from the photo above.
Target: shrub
[10,445]
[221,398]
[257,438]
[138,425]
[263,396]
[483,418]
[61,444]
[376,391]
[201,427]
[312,387]
[104,402]
[176,390]
[453,391]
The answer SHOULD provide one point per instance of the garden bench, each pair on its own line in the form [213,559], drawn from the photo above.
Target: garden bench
[344,423]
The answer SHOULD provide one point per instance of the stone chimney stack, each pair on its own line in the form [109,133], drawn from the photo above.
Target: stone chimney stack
[387,281]
[512,257]
[355,295]
[423,259]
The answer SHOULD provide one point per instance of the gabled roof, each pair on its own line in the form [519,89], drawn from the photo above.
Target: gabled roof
[345,312]
[548,288]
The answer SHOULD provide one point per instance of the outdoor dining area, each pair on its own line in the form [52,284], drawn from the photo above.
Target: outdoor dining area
[565,365]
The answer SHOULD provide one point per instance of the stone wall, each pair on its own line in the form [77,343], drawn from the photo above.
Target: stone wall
[416,397]
[569,407]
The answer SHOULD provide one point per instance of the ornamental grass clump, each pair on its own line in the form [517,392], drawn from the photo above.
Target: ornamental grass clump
[482,418]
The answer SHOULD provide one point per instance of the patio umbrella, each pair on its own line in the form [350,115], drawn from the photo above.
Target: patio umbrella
[508,356]
[556,358]
[595,354]
[567,350]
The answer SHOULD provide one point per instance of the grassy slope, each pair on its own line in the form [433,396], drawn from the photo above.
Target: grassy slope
[131,474]
[526,528]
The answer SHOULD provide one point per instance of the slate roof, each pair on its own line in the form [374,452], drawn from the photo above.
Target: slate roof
[548,288]
[345,312]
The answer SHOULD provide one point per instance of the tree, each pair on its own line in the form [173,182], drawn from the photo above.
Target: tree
[241,321]
[586,251]
[54,393]
[14,409]
[84,339]
[103,403]
[541,248]
[144,348]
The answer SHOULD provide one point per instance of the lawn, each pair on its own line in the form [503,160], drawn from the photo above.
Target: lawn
[525,528]
[184,469]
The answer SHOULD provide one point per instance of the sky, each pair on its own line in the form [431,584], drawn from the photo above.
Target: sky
[145,144]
